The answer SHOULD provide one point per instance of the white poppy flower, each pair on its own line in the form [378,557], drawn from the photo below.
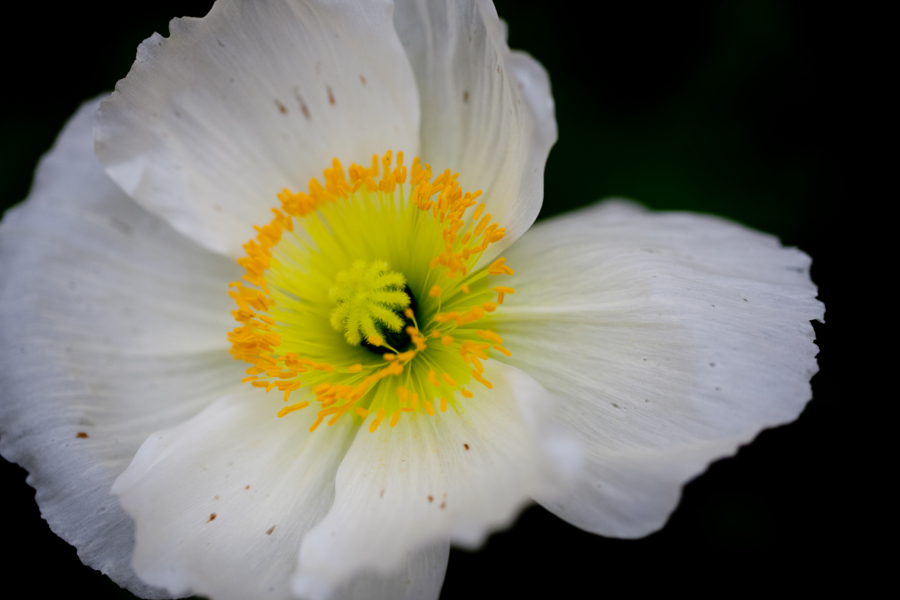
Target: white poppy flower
[415,362]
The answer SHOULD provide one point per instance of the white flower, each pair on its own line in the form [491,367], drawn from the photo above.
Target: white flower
[655,342]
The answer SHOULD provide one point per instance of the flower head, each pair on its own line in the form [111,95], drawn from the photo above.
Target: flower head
[305,380]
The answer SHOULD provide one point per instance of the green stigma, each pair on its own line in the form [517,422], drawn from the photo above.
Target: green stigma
[368,297]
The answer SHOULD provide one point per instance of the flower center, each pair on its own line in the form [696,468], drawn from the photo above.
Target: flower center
[369,299]
[375,304]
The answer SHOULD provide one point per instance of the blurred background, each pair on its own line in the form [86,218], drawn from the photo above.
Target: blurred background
[753,110]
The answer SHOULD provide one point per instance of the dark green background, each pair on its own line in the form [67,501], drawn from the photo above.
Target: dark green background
[754,110]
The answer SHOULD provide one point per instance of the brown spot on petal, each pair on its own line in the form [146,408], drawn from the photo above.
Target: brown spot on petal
[247,487]
[281,107]
[270,530]
[302,104]
[381,495]
[330,95]
[431,498]
[81,434]
[212,517]
[465,96]
[466,446]
[363,79]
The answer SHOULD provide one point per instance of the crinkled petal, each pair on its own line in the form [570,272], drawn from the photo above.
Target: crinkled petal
[486,112]
[222,501]
[454,476]
[674,338]
[420,578]
[214,121]
[113,327]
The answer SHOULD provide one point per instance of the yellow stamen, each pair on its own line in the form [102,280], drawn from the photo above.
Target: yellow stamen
[432,378]
[289,409]
[318,267]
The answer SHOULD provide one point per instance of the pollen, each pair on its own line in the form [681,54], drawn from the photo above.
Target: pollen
[369,295]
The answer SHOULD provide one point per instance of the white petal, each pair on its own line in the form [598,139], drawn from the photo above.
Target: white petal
[113,326]
[407,487]
[486,112]
[675,338]
[420,578]
[212,122]
[181,477]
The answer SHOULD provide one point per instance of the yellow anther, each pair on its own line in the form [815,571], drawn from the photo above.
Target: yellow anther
[447,340]
[465,288]
[434,292]
[354,368]
[379,417]
[294,407]
[502,350]
[477,376]
[450,381]
[317,422]
[490,335]
[361,412]
[498,268]
[394,418]
[466,393]
[429,408]
[432,378]
[443,405]
[482,224]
